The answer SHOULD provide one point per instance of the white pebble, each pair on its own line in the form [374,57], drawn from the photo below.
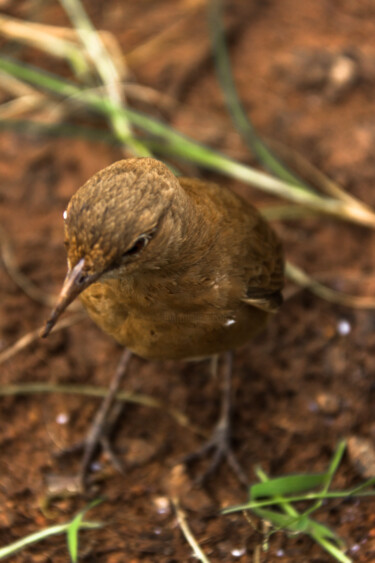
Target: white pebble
[239,552]
[229,322]
[62,418]
[344,327]
[162,505]
[280,553]
[95,466]
[313,406]
[65,214]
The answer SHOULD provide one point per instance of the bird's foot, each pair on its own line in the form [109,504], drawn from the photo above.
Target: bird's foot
[98,438]
[104,422]
[220,445]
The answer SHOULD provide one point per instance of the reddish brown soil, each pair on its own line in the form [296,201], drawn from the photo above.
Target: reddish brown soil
[300,386]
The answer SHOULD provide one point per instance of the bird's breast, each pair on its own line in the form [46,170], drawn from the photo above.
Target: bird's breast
[180,326]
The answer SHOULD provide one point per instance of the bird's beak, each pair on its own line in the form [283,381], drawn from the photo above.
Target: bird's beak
[75,282]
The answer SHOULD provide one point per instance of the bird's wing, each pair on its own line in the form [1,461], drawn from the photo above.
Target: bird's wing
[269,304]
[250,250]
[265,271]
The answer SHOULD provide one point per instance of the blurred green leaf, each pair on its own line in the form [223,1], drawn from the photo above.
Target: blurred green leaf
[289,485]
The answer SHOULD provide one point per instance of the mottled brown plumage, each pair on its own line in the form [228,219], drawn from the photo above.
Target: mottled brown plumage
[203,278]
[172,268]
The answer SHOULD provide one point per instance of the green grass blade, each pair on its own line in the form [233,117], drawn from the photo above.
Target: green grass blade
[71,130]
[336,552]
[13,548]
[240,118]
[107,72]
[334,465]
[73,529]
[32,34]
[293,524]
[176,144]
[291,484]
[357,491]
[272,499]
[94,47]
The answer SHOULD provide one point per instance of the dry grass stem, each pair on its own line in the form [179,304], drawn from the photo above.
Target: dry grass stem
[285,212]
[29,100]
[16,87]
[150,96]
[59,41]
[22,281]
[34,335]
[302,279]
[109,75]
[24,105]
[313,175]
[95,49]
[187,533]
[99,392]
[163,40]
[33,35]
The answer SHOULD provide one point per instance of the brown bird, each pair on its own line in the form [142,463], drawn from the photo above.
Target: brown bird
[172,268]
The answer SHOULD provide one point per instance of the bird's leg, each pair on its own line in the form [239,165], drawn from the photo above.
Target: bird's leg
[101,429]
[220,441]
[98,433]
[105,437]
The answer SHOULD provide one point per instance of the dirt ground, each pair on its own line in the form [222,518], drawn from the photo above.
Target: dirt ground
[303,384]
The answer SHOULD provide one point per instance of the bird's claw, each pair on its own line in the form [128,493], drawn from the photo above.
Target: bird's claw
[98,437]
[220,445]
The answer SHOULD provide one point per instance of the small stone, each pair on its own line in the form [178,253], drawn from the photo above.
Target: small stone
[96,466]
[179,485]
[162,505]
[139,452]
[344,327]
[328,403]
[7,518]
[62,418]
[362,454]
[313,406]
[238,552]
[342,76]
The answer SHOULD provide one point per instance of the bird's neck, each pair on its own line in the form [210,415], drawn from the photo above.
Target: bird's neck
[186,234]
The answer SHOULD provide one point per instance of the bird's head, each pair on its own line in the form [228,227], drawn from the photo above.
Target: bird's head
[112,223]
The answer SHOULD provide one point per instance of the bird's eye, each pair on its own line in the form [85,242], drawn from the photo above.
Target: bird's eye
[139,244]
[81,279]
